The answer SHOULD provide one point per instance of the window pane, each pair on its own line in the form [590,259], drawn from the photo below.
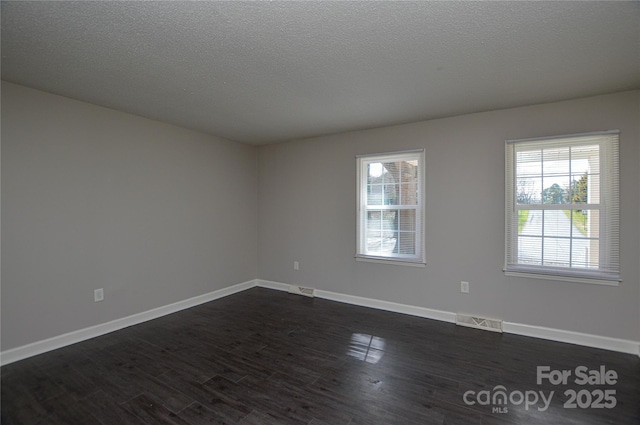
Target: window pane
[408,220]
[382,242]
[374,172]
[581,253]
[374,236]
[391,194]
[528,190]
[390,220]
[580,220]
[530,222]
[374,220]
[407,243]
[374,194]
[409,172]
[557,190]
[580,188]
[529,163]
[529,250]
[557,223]
[374,241]
[556,252]
[409,194]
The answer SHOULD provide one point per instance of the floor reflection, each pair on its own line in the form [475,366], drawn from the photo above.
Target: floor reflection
[367,348]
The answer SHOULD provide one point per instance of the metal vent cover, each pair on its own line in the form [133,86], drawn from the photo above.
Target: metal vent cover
[301,290]
[477,322]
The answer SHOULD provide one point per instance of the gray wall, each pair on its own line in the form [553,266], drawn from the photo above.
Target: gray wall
[155,214]
[92,198]
[307,204]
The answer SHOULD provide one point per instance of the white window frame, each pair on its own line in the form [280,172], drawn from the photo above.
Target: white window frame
[608,272]
[362,254]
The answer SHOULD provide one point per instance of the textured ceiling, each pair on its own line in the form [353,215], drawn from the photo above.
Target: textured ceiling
[261,72]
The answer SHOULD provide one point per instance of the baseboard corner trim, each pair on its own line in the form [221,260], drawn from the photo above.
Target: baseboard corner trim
[53,343]
[269,284]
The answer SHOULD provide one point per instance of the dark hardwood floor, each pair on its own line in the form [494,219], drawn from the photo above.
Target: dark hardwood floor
[267,357]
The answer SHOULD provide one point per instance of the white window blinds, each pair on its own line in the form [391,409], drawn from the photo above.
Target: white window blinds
[562,206]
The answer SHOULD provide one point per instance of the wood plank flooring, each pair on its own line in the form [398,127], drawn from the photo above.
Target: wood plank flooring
[271,358]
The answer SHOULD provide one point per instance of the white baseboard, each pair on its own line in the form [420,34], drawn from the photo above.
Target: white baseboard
[39,347]
[279,286]
[412,310]
[559,335]
[428,313]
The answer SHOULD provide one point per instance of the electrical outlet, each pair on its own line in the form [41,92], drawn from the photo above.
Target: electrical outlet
[296,265]
[98,295]
[464,287]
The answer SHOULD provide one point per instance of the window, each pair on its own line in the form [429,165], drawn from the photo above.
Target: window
[391,207]
[562,214]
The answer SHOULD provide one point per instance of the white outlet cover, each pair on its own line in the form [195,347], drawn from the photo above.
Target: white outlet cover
[464,287]
[98,295]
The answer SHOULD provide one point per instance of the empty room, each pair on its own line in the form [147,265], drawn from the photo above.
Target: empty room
[320,213]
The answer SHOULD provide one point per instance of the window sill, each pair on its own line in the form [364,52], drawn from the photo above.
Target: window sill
[593,281]
[390,261]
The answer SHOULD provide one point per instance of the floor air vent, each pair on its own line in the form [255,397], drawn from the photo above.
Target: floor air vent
[493,325]
[301,290]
